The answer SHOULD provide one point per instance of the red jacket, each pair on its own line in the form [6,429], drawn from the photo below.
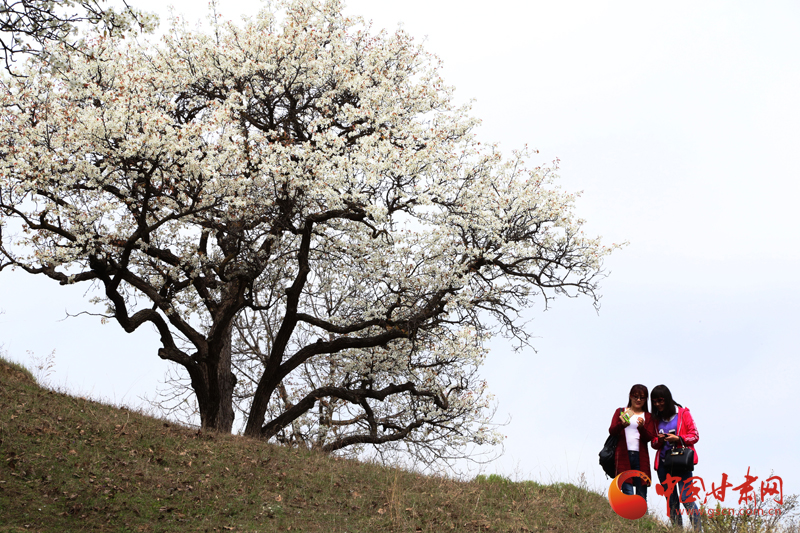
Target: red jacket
[647,433]
[687,431]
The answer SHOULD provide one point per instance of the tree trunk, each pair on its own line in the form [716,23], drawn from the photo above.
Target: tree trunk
[258,409]
[215,399]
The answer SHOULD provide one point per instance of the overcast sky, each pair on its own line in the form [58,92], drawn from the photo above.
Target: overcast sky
[680,122]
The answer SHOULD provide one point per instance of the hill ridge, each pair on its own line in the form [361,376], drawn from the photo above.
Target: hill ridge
[72,464]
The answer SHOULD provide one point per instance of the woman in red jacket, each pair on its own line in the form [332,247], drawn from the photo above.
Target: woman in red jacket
[636,428]
[676,428]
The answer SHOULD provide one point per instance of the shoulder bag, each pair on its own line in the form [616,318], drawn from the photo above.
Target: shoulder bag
[679,458]
[607,455]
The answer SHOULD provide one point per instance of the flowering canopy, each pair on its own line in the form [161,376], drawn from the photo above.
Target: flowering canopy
[31,26]
[303,176]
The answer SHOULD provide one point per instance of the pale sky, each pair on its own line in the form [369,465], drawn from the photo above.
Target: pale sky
[680,122]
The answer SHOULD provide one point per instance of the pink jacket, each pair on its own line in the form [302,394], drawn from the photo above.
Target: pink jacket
[687,431]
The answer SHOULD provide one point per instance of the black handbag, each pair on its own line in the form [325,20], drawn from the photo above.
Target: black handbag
[607,455]
[679,458]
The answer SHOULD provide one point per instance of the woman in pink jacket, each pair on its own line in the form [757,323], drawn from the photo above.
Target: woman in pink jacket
[676,428]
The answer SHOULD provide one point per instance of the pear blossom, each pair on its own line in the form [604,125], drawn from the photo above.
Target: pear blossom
[302,212]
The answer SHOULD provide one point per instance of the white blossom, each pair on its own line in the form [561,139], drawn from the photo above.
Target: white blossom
[304,183]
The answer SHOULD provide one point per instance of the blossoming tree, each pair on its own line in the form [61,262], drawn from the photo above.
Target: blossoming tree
[297,202]
[31,26]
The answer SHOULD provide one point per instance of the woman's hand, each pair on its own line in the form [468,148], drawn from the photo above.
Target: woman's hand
[672,439]
[625,421]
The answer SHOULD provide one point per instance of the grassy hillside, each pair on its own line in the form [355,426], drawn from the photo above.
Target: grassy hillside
[69,464]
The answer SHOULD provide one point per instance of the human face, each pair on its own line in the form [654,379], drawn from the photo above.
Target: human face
[637,401]
[659,403]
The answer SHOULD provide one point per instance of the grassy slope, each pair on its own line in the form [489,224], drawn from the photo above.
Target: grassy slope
[69,464]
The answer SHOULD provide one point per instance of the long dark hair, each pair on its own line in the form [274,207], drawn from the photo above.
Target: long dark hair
[639,389]
[661,391]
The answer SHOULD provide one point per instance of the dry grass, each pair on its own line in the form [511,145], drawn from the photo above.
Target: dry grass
[69,464]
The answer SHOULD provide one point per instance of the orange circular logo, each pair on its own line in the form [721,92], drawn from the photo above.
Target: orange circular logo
[627,506]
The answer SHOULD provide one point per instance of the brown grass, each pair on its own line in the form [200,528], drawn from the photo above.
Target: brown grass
[70,464]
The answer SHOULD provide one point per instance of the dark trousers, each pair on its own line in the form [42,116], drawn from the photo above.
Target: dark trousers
[680,494]
[635,483]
